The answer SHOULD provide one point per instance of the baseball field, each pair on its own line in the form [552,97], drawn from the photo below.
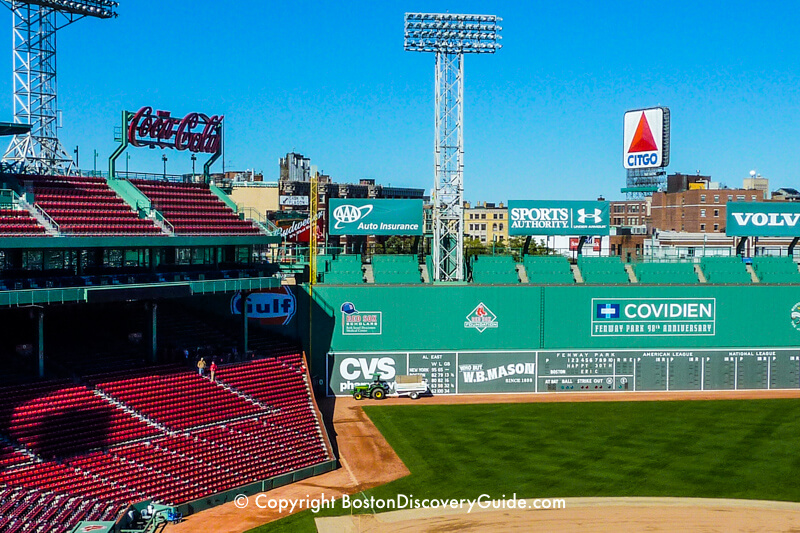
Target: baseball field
[743,449]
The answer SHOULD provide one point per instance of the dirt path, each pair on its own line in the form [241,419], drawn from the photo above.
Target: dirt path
[368,461]
[599,515]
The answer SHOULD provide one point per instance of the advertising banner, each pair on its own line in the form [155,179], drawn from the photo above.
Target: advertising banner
[646,138]
[763,219]
[545,217]
[301,201]
[375,217]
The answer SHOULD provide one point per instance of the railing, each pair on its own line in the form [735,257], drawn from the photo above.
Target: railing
[41,212]
[262,221]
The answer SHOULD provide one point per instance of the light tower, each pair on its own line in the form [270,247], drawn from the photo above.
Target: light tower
[450,36]
[35,96]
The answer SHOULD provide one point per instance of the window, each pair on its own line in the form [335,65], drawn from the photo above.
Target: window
[702,227]
[483,216]
[633,208]
[740,197]
[753,197]
[702,213]
[716,213]
[483,238]
[494,216]
[631,221]
[730,197]
[494,227]
[501,216]
[483,227]
[470,216]
[716,227]
[618,221]
[619,208]
[501,229]
[716,198]
[702,198]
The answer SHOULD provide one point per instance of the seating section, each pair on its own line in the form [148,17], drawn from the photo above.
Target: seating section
[24,510]
[725,270]
[549,269]
[603,270]
[494,269]
[344,269]
[63,419]
[394,269]
[192,208]
[18,222]
[162,398]
[257,421]
[776,269]
[83,205]
[663,273]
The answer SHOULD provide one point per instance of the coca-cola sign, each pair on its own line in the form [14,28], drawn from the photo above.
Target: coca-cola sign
[195,132]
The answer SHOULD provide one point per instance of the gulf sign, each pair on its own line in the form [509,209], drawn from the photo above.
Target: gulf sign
[646,138]
[762,219]
[270,307]
[545,217]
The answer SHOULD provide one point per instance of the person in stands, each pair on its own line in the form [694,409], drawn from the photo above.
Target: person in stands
[213,369]
[201,366]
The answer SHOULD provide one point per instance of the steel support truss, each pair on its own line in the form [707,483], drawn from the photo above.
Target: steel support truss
[448,193]
[35,94]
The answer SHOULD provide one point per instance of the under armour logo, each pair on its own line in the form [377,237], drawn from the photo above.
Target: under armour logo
[582,216]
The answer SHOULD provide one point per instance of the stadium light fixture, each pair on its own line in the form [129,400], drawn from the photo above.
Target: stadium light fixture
[35,91]
[450,36]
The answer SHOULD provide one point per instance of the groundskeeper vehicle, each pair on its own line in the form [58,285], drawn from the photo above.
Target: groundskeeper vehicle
[377,390]
[412,386]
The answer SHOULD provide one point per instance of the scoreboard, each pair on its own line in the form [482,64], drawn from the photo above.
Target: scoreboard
[480,372]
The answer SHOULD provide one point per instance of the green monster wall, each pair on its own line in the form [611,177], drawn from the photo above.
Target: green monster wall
[472,338]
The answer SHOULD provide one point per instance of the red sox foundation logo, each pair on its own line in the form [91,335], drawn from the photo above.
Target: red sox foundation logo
[481,318]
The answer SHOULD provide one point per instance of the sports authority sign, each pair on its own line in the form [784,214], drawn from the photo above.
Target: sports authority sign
[646,138]
[529,217]
[633,317]
[375,217]
[763,219]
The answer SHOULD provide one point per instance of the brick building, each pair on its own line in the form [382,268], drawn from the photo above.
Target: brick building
[487,222]
[696,210]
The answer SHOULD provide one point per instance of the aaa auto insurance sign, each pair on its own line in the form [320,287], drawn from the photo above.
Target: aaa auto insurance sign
[762,219]
[375,217]
[644,138]
[544,217]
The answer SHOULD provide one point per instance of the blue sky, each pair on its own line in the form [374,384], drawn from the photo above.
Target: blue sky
[543,116]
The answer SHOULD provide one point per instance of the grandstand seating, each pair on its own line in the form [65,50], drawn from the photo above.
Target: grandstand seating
[18,222]
[192,208]
[494,269]
[161,397]
[84,205]
[603,270]
[662,273]
[395,268]
[24,510]
[548,269]
[344,269]
[776,269]
[725,269]
[258,421]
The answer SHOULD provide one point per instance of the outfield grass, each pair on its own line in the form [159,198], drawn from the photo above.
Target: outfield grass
[714,449]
